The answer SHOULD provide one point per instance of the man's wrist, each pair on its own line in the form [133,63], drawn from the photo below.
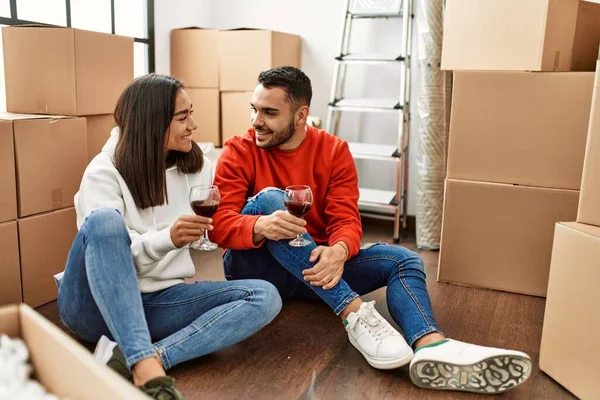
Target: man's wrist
[344,246]
[256,235]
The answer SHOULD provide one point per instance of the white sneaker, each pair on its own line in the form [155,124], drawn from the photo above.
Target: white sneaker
[108,352]
[382,346]
[104,349]
[454,365]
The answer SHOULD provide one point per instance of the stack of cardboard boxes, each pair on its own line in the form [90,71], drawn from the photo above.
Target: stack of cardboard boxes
[61,88]
[517,135]
[195,61]
[569,352]
[227,63]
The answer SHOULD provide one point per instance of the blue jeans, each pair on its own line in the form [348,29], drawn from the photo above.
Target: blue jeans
[374,267]
[99,295]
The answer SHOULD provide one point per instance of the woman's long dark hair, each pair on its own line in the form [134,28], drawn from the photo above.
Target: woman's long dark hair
[144,112]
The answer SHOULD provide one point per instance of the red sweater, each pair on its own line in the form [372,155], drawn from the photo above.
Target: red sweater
[322,162]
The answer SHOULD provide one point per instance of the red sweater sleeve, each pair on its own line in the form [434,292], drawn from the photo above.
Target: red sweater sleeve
[342,201]
[233,230]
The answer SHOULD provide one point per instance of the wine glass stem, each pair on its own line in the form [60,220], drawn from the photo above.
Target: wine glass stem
[206,240]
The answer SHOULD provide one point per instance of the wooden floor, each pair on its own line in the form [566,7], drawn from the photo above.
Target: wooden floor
[305,352]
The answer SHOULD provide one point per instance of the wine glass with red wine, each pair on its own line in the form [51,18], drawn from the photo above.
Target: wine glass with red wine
[204,200]
[298,200]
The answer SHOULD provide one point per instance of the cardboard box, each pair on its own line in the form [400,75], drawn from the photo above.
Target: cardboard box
[205,103]
[195,57]
[8,183]
[50,157]
[533,35]
[245,53]
[10,272]
[44,241]
[61,365]
[525,128]
[567,353]
[587,37]
[499,236]
[235,114]
[98,132]
[589,202]
[64,71]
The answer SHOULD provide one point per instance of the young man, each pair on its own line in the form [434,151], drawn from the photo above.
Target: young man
[281,150]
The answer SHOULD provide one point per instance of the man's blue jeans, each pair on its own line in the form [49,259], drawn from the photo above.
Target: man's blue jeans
[99,295]
[374,267]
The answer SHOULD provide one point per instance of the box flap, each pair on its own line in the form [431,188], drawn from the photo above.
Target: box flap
[246,29]
[9,320]
[500,184]
[584,228]
[6,116]
[35,26]
[193,28]
[66,368]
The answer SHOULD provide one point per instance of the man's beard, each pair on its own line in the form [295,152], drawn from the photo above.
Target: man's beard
[280,137]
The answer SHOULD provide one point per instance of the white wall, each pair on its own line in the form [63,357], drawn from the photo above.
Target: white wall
[319,23]
[169,15]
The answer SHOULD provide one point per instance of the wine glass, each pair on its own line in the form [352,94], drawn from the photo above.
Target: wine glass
[204,200]
[298,200]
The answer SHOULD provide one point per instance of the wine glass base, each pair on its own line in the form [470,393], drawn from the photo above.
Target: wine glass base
[203,246]
[299,242]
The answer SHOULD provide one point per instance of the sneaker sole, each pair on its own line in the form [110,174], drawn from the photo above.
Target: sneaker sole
[489,376]
[382,363]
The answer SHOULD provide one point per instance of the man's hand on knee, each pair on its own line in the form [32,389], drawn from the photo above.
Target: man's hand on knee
[330,268]
[279,225]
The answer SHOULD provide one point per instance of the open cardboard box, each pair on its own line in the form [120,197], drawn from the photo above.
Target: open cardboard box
[60,364]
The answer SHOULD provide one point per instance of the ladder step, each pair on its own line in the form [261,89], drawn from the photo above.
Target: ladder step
[366,105]
[383,198]
[369,58]
[365,15]
[374,151]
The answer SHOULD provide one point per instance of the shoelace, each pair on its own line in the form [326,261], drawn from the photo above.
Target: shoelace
[165,391]
[380,328]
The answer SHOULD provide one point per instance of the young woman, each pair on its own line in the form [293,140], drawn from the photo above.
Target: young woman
[125,275]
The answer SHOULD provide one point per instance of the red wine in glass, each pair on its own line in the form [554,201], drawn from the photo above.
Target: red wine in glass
[298,201]
[205,208]
[204,200]
[298,209]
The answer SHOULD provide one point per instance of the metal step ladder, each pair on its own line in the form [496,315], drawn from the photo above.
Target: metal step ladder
[377,203]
